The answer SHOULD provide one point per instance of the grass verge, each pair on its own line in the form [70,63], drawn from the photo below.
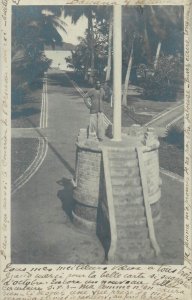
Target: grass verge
[171,150]
[27,113]
[171,157]
[23,152]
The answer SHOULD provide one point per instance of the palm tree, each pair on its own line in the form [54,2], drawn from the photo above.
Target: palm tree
[32,28]
[104,16]
[36,25]
[76,12]
[100,14]
[156,24]
[131,30]
[157,54]
[162,21]
[129,66]
[109,57]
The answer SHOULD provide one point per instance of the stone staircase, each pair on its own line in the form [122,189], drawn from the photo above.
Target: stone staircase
[117,193]
[132,230]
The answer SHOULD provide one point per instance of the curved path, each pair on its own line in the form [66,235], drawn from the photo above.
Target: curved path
[165,119]
[42,231]
[34,133]
[168,117]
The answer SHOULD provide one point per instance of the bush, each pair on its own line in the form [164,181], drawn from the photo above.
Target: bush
[175,136]
[27,75]
[162,83]
[17,95]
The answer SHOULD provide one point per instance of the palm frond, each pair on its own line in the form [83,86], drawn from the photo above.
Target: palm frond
[59,25]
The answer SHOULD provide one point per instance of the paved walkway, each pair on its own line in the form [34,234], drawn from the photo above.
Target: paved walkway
[165,119]
[169,117]
[41,228]
[42,231]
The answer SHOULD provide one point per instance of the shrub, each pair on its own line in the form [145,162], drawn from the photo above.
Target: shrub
[27,75]
[175,136]
[162,83]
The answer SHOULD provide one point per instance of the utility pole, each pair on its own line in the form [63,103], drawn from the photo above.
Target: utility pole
[117,70]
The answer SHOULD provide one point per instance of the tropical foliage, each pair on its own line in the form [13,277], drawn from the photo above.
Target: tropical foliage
[152,37]
[81,57]
[90,54]
[175,136]
[32,28]
[163,82]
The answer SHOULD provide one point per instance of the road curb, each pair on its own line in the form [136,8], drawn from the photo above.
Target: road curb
[161,114]
[174,176]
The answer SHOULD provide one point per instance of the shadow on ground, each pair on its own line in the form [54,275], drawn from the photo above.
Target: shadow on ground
[78,78]
[58,79]
[66,196]
[54,150]
[55,78]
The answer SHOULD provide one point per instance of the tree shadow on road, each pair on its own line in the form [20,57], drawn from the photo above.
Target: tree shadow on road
[59,79]
[54,150]
[66,196]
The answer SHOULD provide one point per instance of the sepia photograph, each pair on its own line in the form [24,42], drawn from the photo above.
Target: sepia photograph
[97,134]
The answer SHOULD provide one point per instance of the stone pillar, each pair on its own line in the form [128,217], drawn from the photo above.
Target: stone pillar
[86,192]
[89,172]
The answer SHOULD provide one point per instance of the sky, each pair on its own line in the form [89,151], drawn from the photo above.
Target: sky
[74,30]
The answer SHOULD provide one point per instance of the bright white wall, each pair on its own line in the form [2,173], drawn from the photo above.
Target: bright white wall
[58,57]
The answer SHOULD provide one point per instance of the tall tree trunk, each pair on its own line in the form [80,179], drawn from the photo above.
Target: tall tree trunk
[108,72]
[145,34]
[86,71]
[126,83]
[157,55]
[91,41]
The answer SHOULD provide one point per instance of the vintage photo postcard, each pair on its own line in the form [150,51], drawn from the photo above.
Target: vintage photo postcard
[95,166]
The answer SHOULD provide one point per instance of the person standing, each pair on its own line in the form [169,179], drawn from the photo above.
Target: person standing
[94,101]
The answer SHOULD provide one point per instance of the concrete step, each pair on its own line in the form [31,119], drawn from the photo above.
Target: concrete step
[122,150]
[123,181]
[123,155]
[133,255]
[123,200]
[137,244]
[124,163]
[121,171]
[131,209]
[128,192]
[133,231]
[127,220]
